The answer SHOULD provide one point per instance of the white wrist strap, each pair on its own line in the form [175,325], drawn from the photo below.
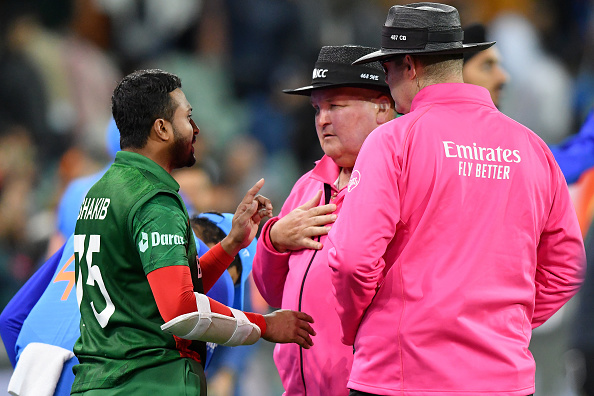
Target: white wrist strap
[204,325]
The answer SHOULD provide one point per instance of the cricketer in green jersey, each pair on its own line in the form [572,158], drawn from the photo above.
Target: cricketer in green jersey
[140,288]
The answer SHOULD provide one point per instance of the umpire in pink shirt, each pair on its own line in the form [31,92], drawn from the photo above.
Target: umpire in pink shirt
[457,235]
[290,266]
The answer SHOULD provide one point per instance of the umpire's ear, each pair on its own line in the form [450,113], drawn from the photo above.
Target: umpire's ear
[385,111]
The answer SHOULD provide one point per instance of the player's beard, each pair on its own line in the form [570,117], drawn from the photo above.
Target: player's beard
[181,150]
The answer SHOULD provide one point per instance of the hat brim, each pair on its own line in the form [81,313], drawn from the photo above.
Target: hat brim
[306,91]
[385,54]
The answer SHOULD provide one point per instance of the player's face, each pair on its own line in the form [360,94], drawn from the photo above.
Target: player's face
[184,131]
[485,69]
[344,118]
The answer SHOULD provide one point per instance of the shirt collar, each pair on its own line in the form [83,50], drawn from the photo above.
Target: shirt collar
[140,161]
[452,93]
[326,170]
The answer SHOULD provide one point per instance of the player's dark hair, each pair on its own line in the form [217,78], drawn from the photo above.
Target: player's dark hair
[138,100]
[207,231]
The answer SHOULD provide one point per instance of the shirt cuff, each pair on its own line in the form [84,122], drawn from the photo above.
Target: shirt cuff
[265,236]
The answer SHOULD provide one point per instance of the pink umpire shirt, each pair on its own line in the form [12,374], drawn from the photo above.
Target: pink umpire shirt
[457,237]
[301,280]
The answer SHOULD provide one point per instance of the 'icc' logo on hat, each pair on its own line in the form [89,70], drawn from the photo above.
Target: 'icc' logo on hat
[319,73]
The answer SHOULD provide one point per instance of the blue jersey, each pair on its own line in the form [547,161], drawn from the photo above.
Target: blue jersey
[55,317]
[576,153]
[77,190]
[71,200]
[19,307]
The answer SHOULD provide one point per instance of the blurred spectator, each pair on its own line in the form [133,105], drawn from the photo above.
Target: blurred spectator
[73,196]
[70,68]
[22,97]
[584,81]
[582,340]
[576,153]
[539,93]
[266,41]
[263,33]
[483,68]
[196,189]
[141,29]
[23,92]
[47,74]
[17,178]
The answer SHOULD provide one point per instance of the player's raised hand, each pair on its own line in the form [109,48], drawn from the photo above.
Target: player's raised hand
[251,210]
[284,326]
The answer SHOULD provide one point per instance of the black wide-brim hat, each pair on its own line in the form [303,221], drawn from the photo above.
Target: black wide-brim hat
[334,69]
[422,28]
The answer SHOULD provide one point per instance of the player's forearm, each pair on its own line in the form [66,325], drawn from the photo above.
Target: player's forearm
[212,264]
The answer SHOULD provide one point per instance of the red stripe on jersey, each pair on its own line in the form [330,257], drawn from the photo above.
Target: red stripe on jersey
[183,346]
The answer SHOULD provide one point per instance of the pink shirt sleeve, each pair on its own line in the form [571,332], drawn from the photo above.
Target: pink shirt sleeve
[560,257]
[270,267]
[365,227]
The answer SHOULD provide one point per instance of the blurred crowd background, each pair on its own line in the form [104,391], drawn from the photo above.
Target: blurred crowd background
[61,59]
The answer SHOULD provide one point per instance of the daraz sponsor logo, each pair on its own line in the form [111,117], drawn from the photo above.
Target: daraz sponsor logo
[157,239]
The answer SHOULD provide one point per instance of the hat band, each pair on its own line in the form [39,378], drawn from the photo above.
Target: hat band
[328,73]
[399,38]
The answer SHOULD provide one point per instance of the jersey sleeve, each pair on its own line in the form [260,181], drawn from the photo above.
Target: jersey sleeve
[213,264]
[576,153]
[159,231]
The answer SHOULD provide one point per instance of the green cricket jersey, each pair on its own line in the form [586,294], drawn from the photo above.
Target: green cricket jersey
[131,222]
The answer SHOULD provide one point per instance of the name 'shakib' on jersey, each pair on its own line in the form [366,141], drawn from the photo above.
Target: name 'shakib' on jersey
[93,209]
